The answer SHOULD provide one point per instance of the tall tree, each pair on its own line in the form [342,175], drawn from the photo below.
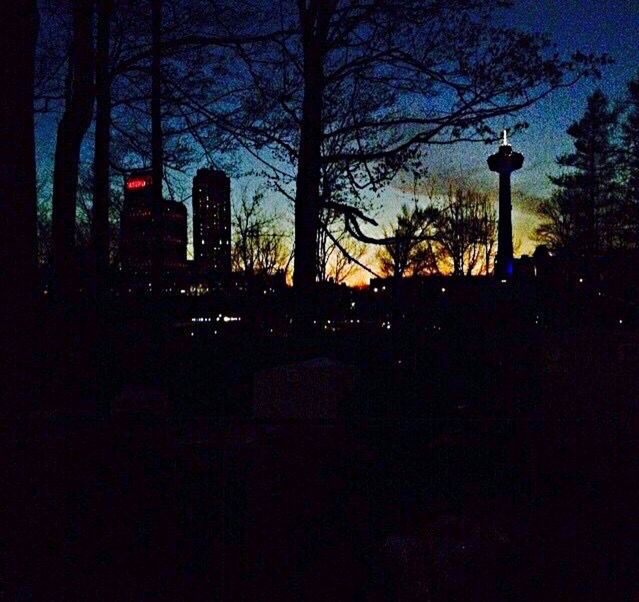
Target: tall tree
[487,217]
[259,247]
[101,193]
[102,189]
[466,230]
[193,61]
[18,34]
[157,158]
[358,88]
[630,137]
[195,68]
[589,188]
[76,118]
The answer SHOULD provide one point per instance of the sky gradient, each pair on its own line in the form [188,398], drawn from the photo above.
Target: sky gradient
[605,26]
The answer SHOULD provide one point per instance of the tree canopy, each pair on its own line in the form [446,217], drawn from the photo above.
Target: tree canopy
[583,215]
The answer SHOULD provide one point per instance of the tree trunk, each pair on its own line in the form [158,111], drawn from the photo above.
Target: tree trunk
[156,144]
[101,196]
[157,169]
[18,34]
[101,193]
[75,121]
[307,193]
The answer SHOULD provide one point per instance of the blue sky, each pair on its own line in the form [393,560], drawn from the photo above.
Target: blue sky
[610,26]
[605,26]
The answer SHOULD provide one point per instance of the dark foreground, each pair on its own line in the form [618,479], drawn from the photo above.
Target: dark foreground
[469,463]
[138,510]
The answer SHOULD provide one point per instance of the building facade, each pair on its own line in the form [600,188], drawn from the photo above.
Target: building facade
[212,222]
[137,236]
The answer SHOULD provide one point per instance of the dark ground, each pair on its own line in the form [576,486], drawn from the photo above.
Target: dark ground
[473,462]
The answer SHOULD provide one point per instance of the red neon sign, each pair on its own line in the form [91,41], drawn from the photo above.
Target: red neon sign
[135,183]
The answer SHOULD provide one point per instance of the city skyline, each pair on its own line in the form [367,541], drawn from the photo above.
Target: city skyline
[195,402]
[612,29]
[211,202]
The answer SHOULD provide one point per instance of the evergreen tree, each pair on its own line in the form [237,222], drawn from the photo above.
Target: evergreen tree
[588,195]
[630,137]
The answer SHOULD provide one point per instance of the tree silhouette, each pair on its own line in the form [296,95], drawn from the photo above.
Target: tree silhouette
[584,212]
[466,230]
[102,149]
[359,89]
[157,143]
[338,253]
[123,93]
[75,120]
[18,34]
[556,230]
[259,247]
[411,251]
[630,137]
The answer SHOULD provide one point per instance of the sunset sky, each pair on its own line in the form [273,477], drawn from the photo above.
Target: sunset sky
[610,26]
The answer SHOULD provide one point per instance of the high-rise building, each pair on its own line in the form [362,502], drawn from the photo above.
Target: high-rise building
[212,222]
[138,233]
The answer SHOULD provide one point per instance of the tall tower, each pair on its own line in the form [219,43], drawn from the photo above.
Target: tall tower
[212,221]
[504,162]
